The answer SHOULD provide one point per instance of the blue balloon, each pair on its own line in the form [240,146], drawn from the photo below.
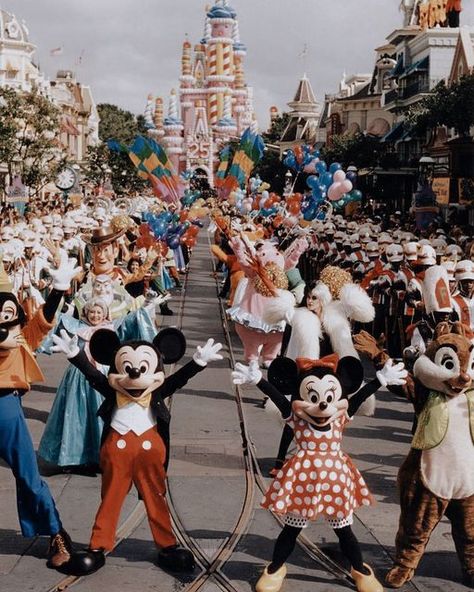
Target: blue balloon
[312,181]
[317,194]
[352,176]
[321,167]
[173,241]
[335,166]
[167,216]
[310,213]
[326,179]
[159,228]
[318,199]
[268,212]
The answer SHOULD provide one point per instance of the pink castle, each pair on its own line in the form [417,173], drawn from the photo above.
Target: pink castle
[213,104]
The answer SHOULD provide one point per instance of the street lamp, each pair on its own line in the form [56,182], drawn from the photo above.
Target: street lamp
[425,168]
[424,196]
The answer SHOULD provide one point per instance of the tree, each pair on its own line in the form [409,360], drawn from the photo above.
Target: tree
[271,169]
[123,126]
[29,137]
[364,151]
[452,106]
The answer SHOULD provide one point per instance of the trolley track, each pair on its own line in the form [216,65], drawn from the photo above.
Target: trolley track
[211,568]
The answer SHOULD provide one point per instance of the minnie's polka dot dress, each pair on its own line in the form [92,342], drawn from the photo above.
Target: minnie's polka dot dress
[320,479]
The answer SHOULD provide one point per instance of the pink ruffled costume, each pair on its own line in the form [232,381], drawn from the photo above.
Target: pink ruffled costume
[247,312]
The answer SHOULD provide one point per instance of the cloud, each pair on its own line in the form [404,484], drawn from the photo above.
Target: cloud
[133,47]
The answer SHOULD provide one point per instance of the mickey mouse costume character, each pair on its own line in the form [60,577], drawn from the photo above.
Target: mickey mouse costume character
[37,512]
[320,479]
[135,441]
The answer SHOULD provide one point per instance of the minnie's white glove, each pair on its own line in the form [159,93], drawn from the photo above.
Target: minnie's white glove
[207,353]
[391,375]
[63,275]
[250,374]
[66,344]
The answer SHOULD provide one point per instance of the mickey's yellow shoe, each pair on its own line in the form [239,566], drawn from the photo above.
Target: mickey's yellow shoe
[366,583]
[271,582]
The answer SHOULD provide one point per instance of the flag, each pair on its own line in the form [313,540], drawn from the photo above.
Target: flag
[153,164]
[79,59]
[57,51]
[246,157]
[304,52]
[224,156]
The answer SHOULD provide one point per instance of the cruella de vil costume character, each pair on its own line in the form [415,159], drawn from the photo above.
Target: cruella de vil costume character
[320,479]
[135,442]
[37,511]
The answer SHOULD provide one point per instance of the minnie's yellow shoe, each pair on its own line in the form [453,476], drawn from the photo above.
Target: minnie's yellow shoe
[271,582]
[366,583]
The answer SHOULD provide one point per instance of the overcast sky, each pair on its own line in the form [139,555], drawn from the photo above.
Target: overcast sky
[126,49]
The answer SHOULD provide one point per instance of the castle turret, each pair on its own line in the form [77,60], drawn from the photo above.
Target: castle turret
[219,58]
[173,128]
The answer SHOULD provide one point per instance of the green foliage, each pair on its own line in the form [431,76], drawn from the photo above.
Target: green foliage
[451,106]
[271,169]
[29,137]
[361,150]
[123,126]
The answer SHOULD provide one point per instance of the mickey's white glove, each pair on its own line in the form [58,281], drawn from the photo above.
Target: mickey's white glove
[66,344]
[207,353]
[392,375]
[63,275]
[250,374]
[150,296]
[161,299]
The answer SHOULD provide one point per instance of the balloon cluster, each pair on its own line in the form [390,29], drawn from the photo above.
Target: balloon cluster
[302,159]
[333,183]
[173,229]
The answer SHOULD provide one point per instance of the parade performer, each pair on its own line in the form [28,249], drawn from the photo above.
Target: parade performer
[438,308]
[320,479]
[73,432]
[18,369]
[135,443]
[464,296]
[265,267]
[436,479]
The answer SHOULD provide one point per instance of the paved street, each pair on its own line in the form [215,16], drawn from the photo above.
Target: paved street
[211,485]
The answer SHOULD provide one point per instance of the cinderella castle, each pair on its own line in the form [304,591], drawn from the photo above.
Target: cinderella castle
[213,104]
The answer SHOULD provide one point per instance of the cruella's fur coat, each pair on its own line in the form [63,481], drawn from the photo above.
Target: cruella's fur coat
[308,329]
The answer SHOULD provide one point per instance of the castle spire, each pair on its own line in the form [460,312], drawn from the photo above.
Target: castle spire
[186,58]
[207,26]
[148,113]
[158,118]
[173,116]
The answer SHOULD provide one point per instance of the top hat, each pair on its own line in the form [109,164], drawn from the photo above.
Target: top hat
[103,235]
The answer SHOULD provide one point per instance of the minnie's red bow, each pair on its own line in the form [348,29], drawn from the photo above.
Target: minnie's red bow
[305,364]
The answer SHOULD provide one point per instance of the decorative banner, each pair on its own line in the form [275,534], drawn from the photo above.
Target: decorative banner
[466,191]
[246,157]
[153,164]
[440,186]
[17,192]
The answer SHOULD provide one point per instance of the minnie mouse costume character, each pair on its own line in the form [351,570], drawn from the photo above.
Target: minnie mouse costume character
[37,511]
[135,441]
[320,479]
